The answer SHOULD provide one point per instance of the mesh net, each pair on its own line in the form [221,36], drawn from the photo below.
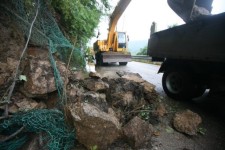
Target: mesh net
[51,122]
[46,34]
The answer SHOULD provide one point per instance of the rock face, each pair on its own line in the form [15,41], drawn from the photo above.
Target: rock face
[7,70]
[93,126]
[187,122]
[138,132]
[11,39]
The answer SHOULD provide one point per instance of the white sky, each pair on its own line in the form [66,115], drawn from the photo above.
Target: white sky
[140,14]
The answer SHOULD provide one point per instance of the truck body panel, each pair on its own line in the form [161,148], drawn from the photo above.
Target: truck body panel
[203,40]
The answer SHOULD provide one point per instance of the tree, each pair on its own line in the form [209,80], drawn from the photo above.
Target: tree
[79,18]
[143,51]
[173,25]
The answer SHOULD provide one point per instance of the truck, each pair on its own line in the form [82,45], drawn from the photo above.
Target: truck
[114,48]
[192,56]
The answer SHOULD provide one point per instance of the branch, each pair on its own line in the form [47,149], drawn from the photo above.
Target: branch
[12,135]
[6,113]
[4,117]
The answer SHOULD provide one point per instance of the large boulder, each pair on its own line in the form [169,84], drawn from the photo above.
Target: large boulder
[125,93]
[138,133]
[94,127]
[187,122]
[41,77]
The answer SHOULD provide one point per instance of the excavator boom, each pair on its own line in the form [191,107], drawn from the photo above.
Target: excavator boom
[118,11]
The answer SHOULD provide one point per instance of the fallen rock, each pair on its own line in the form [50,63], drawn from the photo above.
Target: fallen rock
[96,85]
[93,126]
[40,76]
[125,93]
[160,110]
[96,99]
[22,103]
[138,133]
[150,94]
[187,122]
[95,75]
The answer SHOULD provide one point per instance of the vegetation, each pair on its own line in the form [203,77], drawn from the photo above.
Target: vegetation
[173,25]
[79,18]
[143,51]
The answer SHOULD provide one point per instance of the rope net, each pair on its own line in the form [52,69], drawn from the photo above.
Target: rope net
[50,122]
[46,34]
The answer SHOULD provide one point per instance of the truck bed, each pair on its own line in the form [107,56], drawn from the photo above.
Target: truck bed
[203,39]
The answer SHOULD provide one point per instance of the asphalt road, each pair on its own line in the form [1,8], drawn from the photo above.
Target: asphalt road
[147,71]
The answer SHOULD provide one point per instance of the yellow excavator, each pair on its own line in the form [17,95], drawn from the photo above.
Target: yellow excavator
[114,49]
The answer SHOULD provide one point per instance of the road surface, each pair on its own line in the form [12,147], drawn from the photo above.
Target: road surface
[147,71]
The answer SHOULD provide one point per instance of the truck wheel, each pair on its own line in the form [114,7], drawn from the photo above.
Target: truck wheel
[123,63]
[178,85]
[99,60]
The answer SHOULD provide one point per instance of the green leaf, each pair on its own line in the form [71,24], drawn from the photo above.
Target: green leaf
[22,78]
[169,130]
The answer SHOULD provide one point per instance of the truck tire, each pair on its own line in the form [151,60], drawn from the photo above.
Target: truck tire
[178,85]
[99,60]
[123,63]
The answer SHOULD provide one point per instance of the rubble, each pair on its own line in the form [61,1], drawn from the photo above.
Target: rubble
[138,133]
[98,109]
[93,126]
[187,122]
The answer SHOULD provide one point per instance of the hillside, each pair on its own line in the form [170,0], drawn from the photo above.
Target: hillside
[135,46]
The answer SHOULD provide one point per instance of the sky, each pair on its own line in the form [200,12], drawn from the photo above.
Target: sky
[139,15]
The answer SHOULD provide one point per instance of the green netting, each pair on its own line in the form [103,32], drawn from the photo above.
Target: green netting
[45,34]
[49,122]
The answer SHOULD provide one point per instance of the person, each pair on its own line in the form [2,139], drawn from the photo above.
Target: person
[190,10]
[153,28]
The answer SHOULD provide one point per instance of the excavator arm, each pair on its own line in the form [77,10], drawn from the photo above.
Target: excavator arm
[118,11]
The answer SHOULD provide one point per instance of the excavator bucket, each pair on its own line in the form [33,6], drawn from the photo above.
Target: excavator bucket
[115,57]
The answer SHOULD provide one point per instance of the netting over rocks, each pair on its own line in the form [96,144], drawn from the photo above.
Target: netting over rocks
[49,122]
[45,34]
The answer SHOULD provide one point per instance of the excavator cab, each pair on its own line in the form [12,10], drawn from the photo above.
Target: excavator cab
[122,41]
